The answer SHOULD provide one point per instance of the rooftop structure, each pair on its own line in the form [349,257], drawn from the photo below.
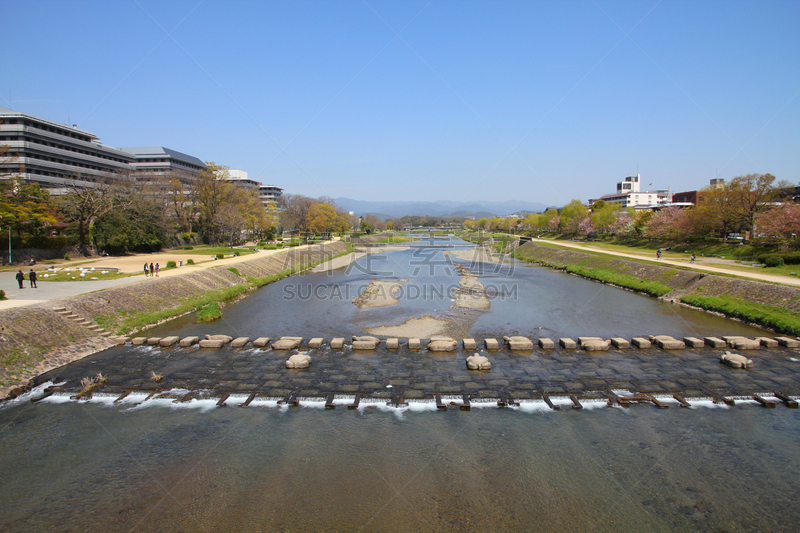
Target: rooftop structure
[629,194]
[240,179]
[159,161]
[269,192]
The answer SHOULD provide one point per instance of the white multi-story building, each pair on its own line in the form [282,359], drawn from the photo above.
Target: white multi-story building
[629,194]
[240,179]
[269,192]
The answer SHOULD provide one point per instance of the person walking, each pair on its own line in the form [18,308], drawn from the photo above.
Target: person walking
[20,279]
[151,269]
[694,256]
[158,269]
[658,253]
[32,278]
[145,269]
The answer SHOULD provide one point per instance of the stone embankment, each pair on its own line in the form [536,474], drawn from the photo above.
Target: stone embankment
[768,305]
[32,338]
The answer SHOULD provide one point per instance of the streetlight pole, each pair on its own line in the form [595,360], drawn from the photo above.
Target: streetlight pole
[9,245]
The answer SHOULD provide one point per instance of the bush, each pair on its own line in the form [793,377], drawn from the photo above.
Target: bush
[773,261]
[188,247]
[234,271]
[237,254]
[209,313]
[171,264]
[2,295]
[190,261]
[66,257]
[220,256]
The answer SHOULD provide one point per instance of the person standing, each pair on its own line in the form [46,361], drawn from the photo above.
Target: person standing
[158,269]
[145,269]
[20,279]
[658,253]
[151,269]
[32,278]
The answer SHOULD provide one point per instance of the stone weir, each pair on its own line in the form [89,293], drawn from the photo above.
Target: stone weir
[40,337]
[658,370]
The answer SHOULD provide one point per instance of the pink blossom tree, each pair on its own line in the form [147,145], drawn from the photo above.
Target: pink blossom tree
[780,225]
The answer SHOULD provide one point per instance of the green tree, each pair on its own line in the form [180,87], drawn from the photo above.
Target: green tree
[572,215]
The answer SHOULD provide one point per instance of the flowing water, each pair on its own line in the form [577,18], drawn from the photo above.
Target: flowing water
[192,466]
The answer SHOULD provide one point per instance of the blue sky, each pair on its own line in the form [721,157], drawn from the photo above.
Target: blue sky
[538,101]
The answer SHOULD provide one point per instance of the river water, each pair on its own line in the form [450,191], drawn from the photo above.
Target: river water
[192,466]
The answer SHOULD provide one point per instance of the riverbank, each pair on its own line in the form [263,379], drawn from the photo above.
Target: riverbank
[769,305]
[32,338]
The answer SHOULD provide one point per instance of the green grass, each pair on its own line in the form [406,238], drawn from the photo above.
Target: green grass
[775,318]
[394,239]
[209,313]
[235,271]
[76,274]
[653,288]
[213,250]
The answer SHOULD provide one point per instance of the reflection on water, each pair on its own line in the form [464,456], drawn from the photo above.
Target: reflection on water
[89,466]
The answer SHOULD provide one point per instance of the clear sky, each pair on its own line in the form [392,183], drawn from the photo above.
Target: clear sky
[538,101]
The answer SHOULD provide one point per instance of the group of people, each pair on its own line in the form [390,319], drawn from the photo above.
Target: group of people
[31,278]
[658,255]
[151,270]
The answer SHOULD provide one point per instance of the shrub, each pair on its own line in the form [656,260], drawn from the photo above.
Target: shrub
[234,271]
[190,261]
[2,295]
[773,261]
[220,256]
[171,264]
[209,313]
[237,254]
[188,247]
[66,257]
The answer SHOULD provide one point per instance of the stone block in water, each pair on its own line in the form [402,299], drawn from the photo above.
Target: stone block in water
[138,341]
[478,362]
[211,343]
[788,342]
[240,342]
[392,344]
[665,342]
[261,342]
[619,342]
[365,342]
[122,340]
[470,344]
[767,342]
[491,344]
[224,338]
[298,360]
[734,360]
[337,343]
[188,341]
[168,341]
[287,343]
[598,345]
[546,344]
[153,341]
[414,344]
[641,342]
[694,342]
[439,344]
[715,342]
[567,343]
[518,343]
[744,343]
[316,342]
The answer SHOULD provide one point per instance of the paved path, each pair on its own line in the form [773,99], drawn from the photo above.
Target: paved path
[717,269]
[52,290]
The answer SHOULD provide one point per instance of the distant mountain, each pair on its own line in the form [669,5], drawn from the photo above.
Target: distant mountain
[444,208]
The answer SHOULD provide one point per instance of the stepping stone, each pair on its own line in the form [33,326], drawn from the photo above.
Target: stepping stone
[122,340]
[478,362]
[188,341]
[788,342]
[619,342]
[315,343]
[596,345]
[240,342]
[414,344]
[641,342]
[469,344]
[715,342]
[138,341]
[392,344]
[337,343]
[298,360]
[744,343]
[224,338]
[665,342]
[153,341]
[518,343]
[693,342]
[767,342]
[546,344]
[261,342]
[731,339]
[491,344]
[442,344]
[567,343]
[735,360]
[211,343]
[169,341]
[365,342]
[287,343]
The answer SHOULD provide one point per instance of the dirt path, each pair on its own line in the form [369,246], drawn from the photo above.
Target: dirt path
[699,266]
